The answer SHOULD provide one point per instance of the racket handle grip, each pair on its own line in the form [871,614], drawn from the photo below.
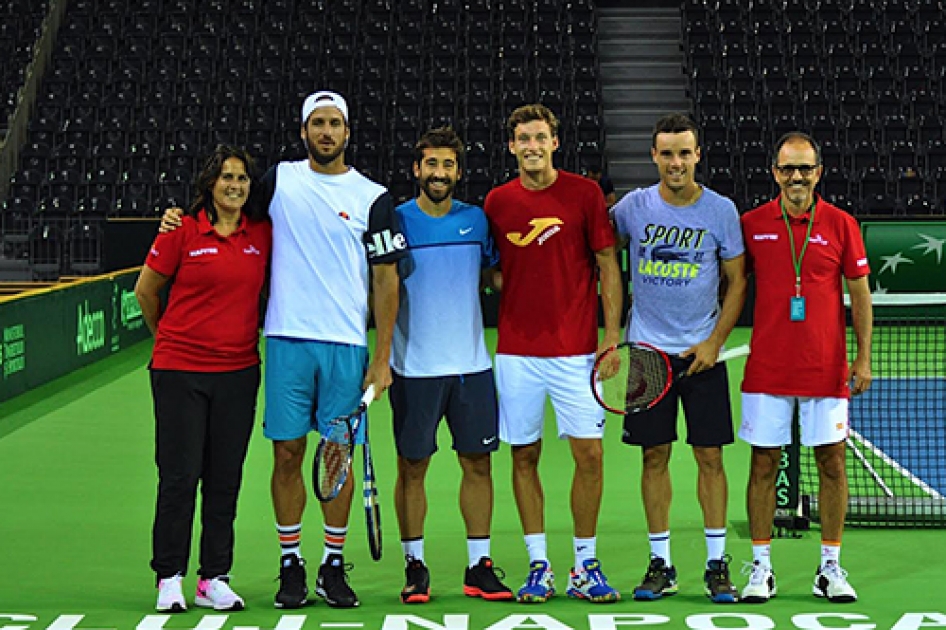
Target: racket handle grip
[732,353]
[368,396]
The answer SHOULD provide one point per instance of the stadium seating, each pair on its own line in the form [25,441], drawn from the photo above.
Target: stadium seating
[137,91]
[866,78]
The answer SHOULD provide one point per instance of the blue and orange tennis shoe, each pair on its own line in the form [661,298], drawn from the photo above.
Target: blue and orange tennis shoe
[589,583]
[540,584]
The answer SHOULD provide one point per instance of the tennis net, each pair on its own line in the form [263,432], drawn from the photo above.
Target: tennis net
[897,445]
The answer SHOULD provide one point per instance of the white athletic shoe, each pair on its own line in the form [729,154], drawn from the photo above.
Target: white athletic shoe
[217,594]
[831,582]
[761,587]
[170,595]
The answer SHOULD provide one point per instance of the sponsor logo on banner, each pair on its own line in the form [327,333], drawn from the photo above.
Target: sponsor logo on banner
[126,314]
[90,329]
[13,350]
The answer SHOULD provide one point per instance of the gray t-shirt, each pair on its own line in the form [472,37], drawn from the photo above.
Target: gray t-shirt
[675,253]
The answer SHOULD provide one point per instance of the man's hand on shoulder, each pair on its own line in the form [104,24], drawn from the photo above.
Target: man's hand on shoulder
[171,220]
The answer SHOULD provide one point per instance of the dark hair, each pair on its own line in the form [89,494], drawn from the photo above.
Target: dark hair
[793,136]
[213,165]
[440,138]
[675,123]
[529,113]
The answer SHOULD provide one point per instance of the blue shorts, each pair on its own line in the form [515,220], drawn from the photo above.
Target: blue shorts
[308,383]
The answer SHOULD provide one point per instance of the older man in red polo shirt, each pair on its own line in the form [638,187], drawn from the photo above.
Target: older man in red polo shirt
[799,248]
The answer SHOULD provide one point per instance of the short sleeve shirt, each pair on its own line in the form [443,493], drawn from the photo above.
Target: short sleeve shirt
[211,323]
[801,358]
[547,241]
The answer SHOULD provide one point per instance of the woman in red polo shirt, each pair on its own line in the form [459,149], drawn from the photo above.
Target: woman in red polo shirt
[205,373]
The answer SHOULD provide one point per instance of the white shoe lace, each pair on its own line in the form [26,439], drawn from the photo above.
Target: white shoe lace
[756,572]
[835,573]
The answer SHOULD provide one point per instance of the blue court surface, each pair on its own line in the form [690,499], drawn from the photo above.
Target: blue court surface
[905,420]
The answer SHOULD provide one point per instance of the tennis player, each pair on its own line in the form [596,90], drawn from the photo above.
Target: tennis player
[441,366]
[335,235]
[799,249]
[683,238]
[555,242]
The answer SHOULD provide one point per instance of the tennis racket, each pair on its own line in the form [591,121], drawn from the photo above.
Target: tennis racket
[372,507]
[336,449]
[633,377]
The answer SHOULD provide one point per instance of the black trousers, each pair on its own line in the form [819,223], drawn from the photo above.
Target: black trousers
[203,422]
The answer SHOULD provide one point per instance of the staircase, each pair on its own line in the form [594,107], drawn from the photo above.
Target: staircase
[641,66]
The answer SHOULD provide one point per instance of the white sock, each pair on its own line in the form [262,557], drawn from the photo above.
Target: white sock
[830,551]
[585,549]
[334,541]
[477,548]
[289,539]
[762,552]
[413,548]
[715,544]
[536,546]
[660,546]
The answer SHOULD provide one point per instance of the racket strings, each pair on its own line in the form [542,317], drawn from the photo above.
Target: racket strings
[334,459]
[639,378]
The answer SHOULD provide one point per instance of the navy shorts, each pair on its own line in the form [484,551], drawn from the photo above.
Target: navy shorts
[706,407]
[468,402]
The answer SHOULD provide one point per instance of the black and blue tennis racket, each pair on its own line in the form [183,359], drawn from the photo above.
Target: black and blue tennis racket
[372,507]
[336,449]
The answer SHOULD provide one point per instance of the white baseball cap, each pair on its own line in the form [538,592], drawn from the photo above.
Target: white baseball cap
[323,98]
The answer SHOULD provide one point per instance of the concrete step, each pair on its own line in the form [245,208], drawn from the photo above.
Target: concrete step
[627,121]
[629,145]
[671,97]
[641,49]
[637,69]
[636,171]
[641,22]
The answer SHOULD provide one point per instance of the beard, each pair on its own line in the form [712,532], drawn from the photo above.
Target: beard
[322,158]
[434,196]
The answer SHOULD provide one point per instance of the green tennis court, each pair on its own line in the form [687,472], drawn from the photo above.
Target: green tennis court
[77,486]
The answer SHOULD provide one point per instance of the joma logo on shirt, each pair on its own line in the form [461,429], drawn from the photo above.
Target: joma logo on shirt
[538,227]
[765,237]
[203,251]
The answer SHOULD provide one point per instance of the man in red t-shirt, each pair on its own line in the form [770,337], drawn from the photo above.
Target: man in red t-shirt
[555,242]
[799,248]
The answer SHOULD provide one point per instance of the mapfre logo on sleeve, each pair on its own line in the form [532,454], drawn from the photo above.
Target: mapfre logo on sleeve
[542,230]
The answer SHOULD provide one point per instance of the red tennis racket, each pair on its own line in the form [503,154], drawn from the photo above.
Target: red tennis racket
[633,377]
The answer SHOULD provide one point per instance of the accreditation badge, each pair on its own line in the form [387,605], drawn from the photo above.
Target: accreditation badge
[797,309]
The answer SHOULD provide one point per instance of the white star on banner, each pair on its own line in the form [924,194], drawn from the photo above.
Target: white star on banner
[932,244]
[891,262]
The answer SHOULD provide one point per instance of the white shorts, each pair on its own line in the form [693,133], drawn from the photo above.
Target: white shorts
[767,420]
[524,382]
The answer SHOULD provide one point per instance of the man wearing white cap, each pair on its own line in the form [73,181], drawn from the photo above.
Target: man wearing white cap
[333,230]
[325,216]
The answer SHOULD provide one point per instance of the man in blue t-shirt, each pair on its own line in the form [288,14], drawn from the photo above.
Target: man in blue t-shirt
[440,364]
[682,238]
